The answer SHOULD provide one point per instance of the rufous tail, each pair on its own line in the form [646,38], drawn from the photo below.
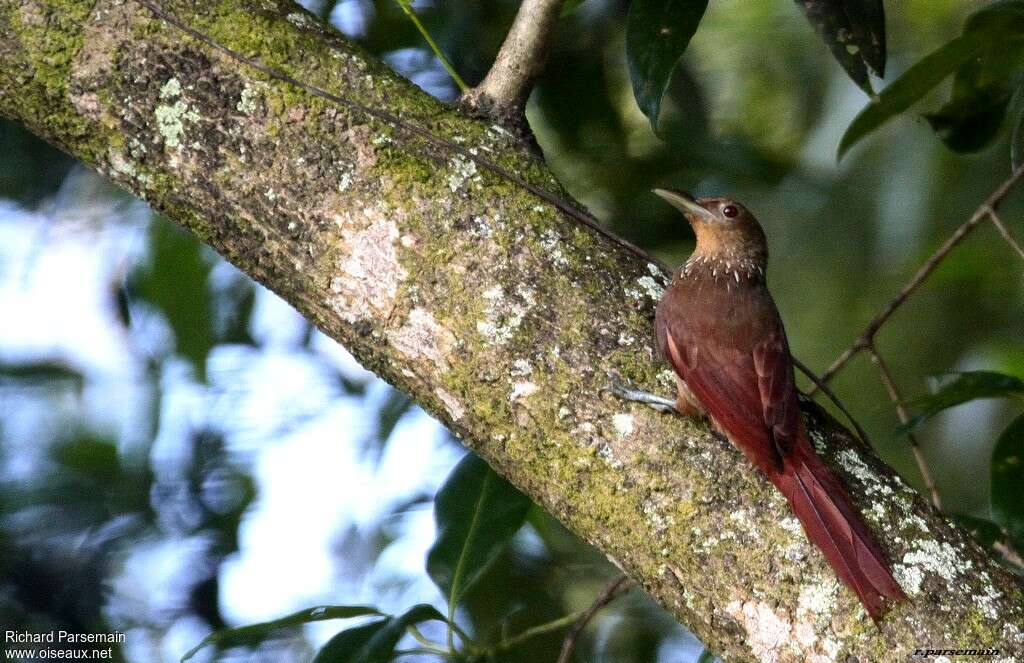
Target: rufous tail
[831,523]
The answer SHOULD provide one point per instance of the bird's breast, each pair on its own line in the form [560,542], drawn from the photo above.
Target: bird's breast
[705,307]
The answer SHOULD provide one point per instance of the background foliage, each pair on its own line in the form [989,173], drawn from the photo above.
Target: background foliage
[182,453]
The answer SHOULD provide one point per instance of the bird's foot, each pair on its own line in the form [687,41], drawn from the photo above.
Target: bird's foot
[627,393]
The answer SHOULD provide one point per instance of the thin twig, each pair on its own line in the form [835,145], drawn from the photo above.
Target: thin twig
[507,85]
[904,416]
[421,651]
[534,631]
[418,636]
[1005,232]
[985,210]
[406,6]
[866,340]
[820,385]
[612,590]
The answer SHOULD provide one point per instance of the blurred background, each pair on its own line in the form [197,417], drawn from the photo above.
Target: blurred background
[180,450]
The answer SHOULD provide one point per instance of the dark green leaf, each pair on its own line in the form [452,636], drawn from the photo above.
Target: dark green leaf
[638,642]
[911,86]
[997,65]
[477,513]
[984,531]
[30,168]
[982,89]
[232,314]
[1017,137]
[94,458]
[570,6]
[256,632]
[122,305]
[684,119]
[374,642]
[346,645]
[657,34]
[1008,481]
[996,30]
[854,31]
[390,413]
[175,282]
[1005,15]
[969,122]
[957,388]
[41,374]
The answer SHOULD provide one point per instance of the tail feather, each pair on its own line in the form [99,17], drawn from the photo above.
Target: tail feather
[832,524]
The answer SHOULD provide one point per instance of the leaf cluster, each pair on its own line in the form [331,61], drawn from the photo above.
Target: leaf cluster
[1004,525]
[477,513]
[658,32]
[986,62]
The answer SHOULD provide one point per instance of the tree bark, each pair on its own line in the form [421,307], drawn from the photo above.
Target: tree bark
[502,94]
[496,312]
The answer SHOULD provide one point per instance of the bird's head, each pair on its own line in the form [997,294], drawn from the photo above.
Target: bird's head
[724,228]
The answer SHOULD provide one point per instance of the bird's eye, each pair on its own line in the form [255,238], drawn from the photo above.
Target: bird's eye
[731,211]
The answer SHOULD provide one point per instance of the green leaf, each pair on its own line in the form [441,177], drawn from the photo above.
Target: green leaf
[175,282]
[347,644]
[998,64]
[993,29]
[984,531]
[90,457]
[374,642]
[256,632]
[232,312]
[477,512]
[1005,15]
[684,119]
[1008,481]
[854,31]
[969,122]
[657,34]
[30,168]
[906,90]
[1017,136]
[982,90]
[41,374]
[390,413]
[570,6]
[958,388]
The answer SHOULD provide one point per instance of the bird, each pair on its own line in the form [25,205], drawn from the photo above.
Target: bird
[719,328]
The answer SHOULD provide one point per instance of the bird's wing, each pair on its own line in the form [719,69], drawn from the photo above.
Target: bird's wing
[780,408]
[726,382]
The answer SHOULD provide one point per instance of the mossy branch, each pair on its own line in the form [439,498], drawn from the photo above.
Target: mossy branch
[495,310]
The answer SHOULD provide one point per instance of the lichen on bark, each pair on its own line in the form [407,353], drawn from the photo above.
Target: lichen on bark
[497,313]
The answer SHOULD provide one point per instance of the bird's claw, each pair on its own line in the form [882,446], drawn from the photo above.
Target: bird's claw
[628,393]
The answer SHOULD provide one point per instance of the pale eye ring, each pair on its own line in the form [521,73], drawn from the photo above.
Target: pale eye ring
[731,211]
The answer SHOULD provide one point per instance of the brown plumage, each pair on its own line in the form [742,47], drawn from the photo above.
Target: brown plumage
[718,326]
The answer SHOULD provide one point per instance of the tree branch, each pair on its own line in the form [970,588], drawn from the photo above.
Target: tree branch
[1005,232]
[901,411]
[821,385]
[866,340]
[611,591]
[407,9]
[494,308]
[986,210]
[503,93]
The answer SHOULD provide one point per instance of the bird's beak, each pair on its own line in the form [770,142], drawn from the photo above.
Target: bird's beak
[684,202]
